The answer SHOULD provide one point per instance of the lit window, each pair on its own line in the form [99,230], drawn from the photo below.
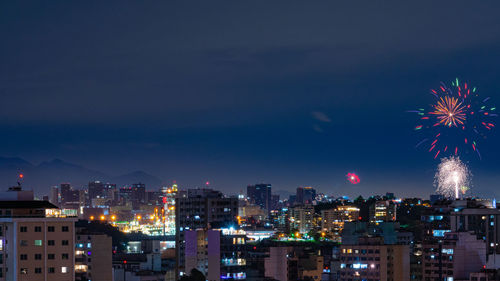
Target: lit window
[64,269]
[24,271]
[38,242]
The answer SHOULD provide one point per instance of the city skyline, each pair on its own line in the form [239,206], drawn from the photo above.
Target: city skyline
[191,94]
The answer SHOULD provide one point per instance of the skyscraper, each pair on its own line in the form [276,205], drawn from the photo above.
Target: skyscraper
[305,195]
[260,194]
[96,189]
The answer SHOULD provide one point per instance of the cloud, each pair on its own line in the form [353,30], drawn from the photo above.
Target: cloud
[320,116]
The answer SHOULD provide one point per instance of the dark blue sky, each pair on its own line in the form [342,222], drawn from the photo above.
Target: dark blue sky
[238,93]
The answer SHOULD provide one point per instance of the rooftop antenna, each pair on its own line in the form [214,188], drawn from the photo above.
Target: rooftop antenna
[19,179]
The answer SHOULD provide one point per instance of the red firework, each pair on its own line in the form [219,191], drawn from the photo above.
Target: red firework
[353,178]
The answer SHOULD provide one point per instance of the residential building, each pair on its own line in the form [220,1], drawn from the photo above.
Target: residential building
[371,259]
[36,241]
[293,263]
[383,211]
[93,256]
[301,218]
[201,209]
[333,220]
[453,257]
[483,221]
[217,253]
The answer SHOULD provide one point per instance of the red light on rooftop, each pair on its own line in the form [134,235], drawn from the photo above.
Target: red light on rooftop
[21,176]
[125,261]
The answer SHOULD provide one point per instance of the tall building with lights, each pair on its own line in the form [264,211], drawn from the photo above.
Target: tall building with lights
[201,209]
[260,195]
[332,221]
[305,195]
[168,210]
[217,253]
[383,211]
[301,218]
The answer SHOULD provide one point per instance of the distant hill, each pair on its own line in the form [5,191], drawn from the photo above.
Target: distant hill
[49,173]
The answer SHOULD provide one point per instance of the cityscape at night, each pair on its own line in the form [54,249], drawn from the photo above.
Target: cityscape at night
[257,141]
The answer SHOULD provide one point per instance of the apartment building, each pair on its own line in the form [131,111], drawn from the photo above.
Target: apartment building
[36,241]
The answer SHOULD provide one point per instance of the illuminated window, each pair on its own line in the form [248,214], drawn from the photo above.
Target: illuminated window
[24,271]
[38,242]
[64,269]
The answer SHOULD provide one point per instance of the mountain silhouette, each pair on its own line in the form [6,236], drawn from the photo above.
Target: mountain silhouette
[41,177]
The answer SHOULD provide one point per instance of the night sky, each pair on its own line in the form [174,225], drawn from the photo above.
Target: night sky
[233,92]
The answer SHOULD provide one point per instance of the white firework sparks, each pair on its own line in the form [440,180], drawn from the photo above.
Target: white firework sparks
[452,177]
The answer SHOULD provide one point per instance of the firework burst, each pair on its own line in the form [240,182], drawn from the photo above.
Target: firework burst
[452,178]
[457,121]
[449,112]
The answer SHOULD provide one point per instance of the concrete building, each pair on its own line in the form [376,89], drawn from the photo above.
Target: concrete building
[482,221]
[36,241]
[290,264]
[16,193]
[217,253]
[454,257]
[383,211]
[301,218]
[201,209]
[332,221]
[371,259]
[93,257]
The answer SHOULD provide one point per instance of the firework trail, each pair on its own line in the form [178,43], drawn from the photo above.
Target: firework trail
[452,178]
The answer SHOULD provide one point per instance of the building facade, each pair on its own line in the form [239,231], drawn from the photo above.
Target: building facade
[37,241]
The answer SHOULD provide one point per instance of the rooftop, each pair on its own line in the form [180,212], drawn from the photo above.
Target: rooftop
[31,204]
